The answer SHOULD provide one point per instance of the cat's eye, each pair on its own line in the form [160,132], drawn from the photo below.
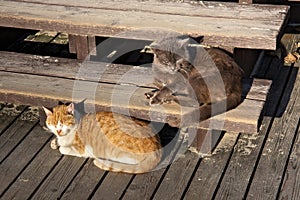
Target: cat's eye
[166,62]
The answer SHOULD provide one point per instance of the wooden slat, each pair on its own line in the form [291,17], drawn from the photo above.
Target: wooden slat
[113,186]
[85,182]
[82,47]
[92,45]
[71,69]
[44,90]
[235,28]
[211,170]
[21,156]
[8,114]
[40,90]
[256,89]
[278,145]
[11,137]
[36,171]
[143,186]
[175,183]
[248,147]
[290,187]
[72,43]
[59,178]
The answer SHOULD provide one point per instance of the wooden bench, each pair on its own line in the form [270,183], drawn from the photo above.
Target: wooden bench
[238,28]
[228,25]
[37,80]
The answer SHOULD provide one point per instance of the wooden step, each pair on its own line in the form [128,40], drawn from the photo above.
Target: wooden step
[222,23]
[38,80]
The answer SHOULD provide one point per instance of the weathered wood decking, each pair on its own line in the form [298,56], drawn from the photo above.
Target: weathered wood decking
[244,166]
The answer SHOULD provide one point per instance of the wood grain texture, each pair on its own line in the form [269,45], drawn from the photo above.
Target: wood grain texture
[229,24]
[21,156]
[7,116]
[208,175]
[291,183]
[173,182]
[242,164]
[85,182]
[11,137]
[271,166]
[59,178]
[143,186]
[46,80]
[113,186]
[36,171]
[82,47]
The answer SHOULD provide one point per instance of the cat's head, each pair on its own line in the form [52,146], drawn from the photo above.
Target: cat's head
[172,53]
[60,120]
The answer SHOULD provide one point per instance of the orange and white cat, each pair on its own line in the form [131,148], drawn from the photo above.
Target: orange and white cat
[117,143]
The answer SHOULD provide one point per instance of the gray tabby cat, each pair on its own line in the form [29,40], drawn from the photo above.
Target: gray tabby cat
[206,77]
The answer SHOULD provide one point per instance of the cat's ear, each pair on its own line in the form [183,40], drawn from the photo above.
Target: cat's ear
[155,48]
[48,112]
[61,103]
[185,42]
[71,108]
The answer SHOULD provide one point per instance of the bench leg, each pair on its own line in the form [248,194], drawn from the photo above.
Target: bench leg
[83,46]
[205,141]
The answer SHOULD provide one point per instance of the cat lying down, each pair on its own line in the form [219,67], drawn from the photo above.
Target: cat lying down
[117,143]
[191,75]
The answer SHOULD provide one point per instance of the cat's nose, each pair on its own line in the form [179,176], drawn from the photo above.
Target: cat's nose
[58,131]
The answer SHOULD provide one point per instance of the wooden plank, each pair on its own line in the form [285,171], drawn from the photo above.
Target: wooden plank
[92,45]
[82,47]
[98,71]
[255,91]
[205,141]
[85,182]
[109,21]
[290,186]
[242,165]
[59,179]
[113,186]
[143,186]
[12,136]
[173,182]
[119,98]
[8,114]
[207,176]
[36,171]
[188,8]
[72,43]
[73,69]
[244,118]
[21,156]
[267,180]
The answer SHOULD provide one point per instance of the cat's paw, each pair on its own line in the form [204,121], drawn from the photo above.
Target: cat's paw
[54,144]
[150,94]
[155,101]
